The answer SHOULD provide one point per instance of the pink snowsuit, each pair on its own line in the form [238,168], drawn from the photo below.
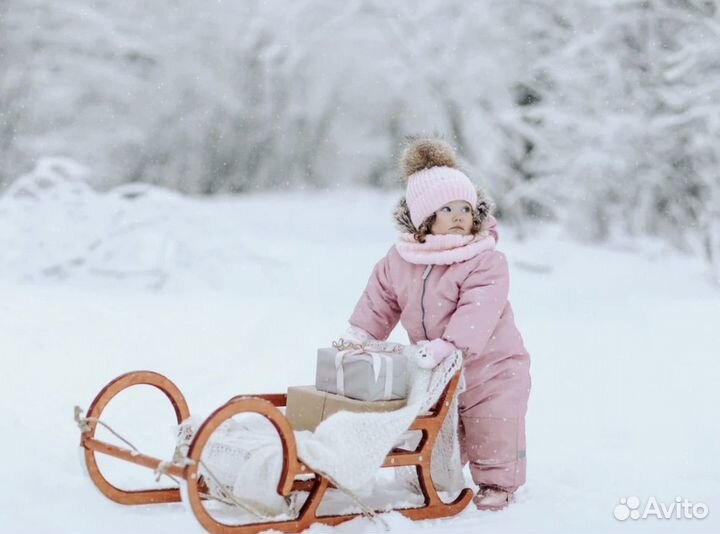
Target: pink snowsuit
[465,303]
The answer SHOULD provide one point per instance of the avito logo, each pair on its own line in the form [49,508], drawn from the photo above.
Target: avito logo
[680,508]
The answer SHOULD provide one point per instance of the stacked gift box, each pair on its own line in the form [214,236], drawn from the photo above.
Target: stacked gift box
[354,379]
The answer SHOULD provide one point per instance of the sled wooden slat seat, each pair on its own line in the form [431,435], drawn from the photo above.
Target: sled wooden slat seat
[295,476]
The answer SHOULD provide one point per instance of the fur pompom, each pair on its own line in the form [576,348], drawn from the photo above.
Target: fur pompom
[423,153]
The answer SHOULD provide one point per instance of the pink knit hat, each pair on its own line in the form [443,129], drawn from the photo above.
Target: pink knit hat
[433,179]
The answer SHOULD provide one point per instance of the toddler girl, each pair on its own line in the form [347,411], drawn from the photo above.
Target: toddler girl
[448,286]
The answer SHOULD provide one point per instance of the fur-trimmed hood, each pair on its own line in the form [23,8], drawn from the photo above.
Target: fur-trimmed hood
[483,209]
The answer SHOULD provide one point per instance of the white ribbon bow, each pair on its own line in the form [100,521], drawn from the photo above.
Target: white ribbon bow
[375,360]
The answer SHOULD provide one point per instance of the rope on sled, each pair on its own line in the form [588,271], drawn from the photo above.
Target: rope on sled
[226,497]
[159,471]
[83,421]
[179,459]
[365,510]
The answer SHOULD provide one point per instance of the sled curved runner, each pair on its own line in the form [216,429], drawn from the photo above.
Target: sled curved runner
[267,406]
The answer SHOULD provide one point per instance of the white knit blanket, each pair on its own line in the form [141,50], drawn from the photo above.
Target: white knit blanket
[244,454]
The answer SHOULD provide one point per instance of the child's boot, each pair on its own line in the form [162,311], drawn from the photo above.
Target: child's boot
[492,498]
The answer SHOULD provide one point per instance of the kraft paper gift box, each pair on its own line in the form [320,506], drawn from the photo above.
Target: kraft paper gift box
[362,375]
[307,407]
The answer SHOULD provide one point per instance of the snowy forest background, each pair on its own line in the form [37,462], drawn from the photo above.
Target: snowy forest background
[603,115]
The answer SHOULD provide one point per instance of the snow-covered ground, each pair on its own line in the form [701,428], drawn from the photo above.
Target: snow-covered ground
[228,296]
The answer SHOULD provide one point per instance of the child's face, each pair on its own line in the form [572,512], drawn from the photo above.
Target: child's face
[455,217]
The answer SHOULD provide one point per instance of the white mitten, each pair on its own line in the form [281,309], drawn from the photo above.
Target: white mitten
[427,354]
[420,356]
[356,335]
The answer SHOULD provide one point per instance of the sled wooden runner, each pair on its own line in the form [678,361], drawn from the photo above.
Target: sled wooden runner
[266,406]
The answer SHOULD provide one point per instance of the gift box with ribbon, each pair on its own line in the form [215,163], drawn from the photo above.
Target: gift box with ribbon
[363,372]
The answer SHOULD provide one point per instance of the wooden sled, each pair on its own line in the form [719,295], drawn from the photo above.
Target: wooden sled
[266,406]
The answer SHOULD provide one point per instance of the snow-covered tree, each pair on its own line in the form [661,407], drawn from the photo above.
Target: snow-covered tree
[601,114]
[628,96]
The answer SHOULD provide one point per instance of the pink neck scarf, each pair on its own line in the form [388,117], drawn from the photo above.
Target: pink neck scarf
[443,249]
